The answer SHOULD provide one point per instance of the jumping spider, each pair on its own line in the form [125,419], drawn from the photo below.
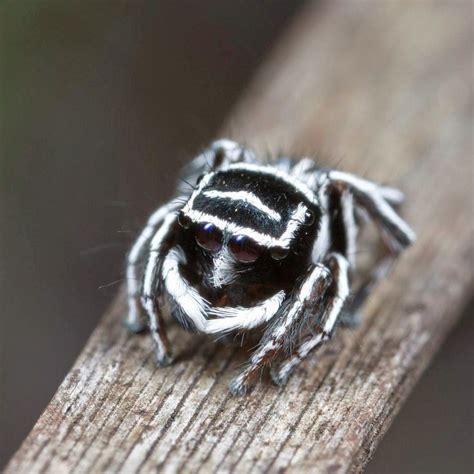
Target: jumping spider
[258,246]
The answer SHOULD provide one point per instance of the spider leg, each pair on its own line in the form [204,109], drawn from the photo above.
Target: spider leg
[219,154]
[342,234]
[393,196]
[376,201]
[150,291]
[187,306]
[284,326]
[350,316]
[351,313]
[344,226]
[334,300]
[135,320]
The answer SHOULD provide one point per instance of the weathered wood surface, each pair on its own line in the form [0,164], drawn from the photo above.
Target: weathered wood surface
[387,88]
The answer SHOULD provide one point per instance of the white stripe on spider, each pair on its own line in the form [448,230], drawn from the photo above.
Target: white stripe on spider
[244,318]
[281,175]
[296,220]
[246,197]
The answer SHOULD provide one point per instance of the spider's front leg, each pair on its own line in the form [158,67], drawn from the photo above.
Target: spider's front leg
[151,288]
[334,301]
[135,321]
[285,325]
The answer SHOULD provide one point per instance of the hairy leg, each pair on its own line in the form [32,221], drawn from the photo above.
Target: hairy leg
[377,201]
[219,154]
[135,320]
[334,302]
[151,285]
[350,316]
[341,214]
[286,323]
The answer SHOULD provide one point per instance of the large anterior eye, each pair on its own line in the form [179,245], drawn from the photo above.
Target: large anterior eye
[209,237]
[244,249]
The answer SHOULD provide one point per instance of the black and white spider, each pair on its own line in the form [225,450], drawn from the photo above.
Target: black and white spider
[262,247]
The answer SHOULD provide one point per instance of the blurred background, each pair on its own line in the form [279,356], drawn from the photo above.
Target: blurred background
[101,102]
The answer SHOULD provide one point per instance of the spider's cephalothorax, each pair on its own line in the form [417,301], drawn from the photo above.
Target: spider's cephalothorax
[258,246]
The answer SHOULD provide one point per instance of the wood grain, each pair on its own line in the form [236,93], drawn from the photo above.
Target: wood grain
[385,91]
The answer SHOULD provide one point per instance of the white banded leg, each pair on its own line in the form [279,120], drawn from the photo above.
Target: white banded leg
[135,321]
[374,201]
[189,307]
[334,302]
[347,209]
[226,152]
[377,200]
[275,338]
[220,154]
[393,196]
[350,226]
[351,314]
[150,289]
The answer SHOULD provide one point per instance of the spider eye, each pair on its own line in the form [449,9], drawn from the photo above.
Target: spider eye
[209,237]
[309,217]
[244,249]
[279,253]
[184,221]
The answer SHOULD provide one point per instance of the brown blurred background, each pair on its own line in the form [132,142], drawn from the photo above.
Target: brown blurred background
[100,103]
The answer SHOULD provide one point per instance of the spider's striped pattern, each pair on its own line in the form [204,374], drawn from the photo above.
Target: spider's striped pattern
[257,246]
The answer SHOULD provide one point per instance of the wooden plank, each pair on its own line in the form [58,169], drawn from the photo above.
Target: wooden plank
[387,88]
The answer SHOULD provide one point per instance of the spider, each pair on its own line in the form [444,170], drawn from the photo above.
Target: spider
[259,247]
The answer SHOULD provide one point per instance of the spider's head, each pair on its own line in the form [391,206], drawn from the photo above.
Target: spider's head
[244,227]
[222,258]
